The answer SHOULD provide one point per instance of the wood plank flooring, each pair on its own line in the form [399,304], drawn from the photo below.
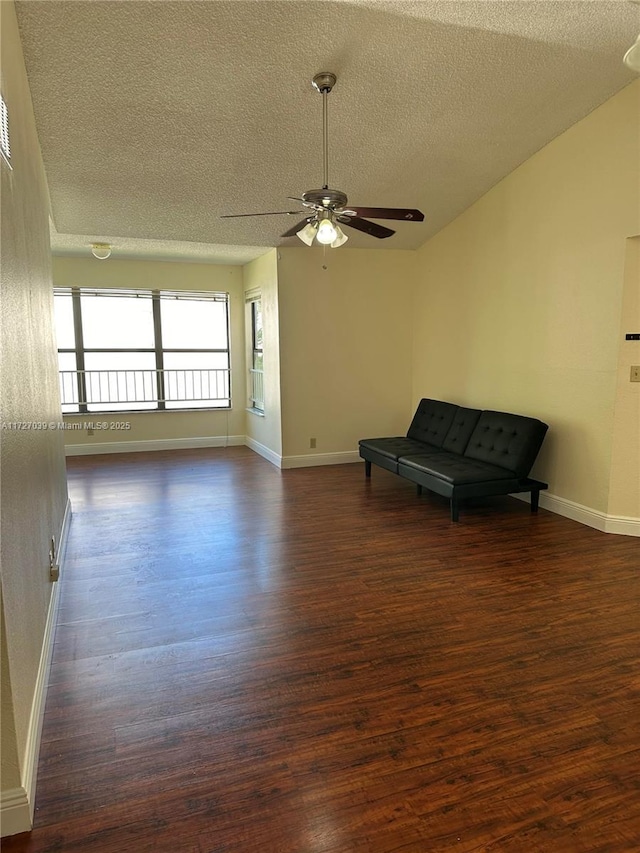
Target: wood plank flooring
[250,660]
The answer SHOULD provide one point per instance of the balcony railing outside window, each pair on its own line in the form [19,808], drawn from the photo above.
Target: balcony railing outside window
[101,390]
[257,389]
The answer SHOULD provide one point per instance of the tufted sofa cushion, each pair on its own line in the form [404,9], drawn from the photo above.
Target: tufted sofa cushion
[464,423]
[432,421]
[509,441]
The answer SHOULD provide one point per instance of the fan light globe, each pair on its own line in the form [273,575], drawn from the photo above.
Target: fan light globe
[341,238]
[326,232]
[307,233]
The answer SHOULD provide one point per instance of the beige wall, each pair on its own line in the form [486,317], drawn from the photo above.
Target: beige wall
[345,344]
[262,275]
[624,495]
[518,301]
[33,488]
[151,426]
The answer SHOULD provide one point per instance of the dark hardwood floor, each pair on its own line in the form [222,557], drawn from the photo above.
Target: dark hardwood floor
[250,660]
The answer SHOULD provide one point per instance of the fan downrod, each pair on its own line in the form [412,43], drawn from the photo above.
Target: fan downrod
[324,82]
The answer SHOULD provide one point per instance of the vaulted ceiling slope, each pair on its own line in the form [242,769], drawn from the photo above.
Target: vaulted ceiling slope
[157,117]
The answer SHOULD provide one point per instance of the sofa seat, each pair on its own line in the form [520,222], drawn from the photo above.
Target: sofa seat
[453,468]
[385,452]
[394,448]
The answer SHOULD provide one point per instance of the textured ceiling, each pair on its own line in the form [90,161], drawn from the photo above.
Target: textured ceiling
[157,117]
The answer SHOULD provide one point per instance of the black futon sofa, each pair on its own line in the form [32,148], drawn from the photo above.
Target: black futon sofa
[462,453]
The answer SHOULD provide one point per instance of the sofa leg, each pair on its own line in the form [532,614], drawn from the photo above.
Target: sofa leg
[367,468]
[419,489]
[535,499]
[454,510]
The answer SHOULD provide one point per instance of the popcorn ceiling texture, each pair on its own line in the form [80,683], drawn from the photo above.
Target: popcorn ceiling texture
[155,118]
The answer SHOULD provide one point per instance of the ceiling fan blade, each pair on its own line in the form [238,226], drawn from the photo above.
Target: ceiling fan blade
[269,213]
[295,228]
[371,228]
[408,214]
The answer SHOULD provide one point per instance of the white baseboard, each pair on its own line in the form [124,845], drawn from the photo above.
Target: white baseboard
[585,515]
[309,460]
[17,804]
[302,461]
[622,525]
[32,753]
[154,444]
[63,538]
[264,451]
[16,813]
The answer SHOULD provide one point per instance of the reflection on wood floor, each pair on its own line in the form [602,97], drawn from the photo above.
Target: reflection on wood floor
[250,660]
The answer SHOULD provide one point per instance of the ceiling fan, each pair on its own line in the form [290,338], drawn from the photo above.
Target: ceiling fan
[329,207]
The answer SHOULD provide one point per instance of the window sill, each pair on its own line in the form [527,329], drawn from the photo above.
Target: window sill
[112,414]
[257,412]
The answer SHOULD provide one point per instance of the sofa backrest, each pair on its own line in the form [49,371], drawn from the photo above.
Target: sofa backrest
[510,441]
[464,422]
[432,421]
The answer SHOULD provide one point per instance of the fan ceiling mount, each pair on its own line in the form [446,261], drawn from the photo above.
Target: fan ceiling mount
[328,206]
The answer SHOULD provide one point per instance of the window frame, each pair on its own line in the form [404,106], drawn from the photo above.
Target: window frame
[255,374]
[158,350]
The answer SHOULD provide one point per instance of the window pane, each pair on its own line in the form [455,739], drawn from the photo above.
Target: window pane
[120,381]
[117,322]
[256,315]
[63,317]
[196,361]
[67,360]
[196,380]
[192,324]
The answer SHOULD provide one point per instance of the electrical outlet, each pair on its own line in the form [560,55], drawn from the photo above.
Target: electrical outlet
[312,443]
[635,373]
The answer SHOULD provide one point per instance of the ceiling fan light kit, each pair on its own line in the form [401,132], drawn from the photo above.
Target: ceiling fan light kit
[326,233]
[329,207]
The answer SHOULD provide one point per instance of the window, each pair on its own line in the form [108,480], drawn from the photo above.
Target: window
[128,350]
[256,371]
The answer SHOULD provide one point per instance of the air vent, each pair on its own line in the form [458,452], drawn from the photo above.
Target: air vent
[5,147]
